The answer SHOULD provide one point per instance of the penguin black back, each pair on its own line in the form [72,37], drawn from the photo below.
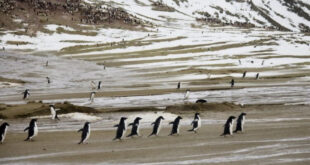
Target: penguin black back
[85,132]
[175,125]
[32,129]
[156,127]
[3,130]
[228,126]
[240,122]
[121,128]
[201,101]
[135,127]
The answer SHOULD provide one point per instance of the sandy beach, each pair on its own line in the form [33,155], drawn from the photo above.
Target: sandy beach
[274,134]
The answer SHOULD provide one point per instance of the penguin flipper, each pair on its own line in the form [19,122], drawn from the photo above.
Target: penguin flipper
[153,123]
[116,125]
[171,122]
[130,124]
[80,130]
[26,129]
[56,117]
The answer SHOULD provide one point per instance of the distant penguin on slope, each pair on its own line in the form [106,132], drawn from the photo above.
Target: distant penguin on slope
[26,94]
[244,74]
[121,128]
[201,101]
[228,127]
[196,123]
[48,80]
[186,96]
[157,126]
[135,127]
[3,129]
[54,112]
[257,76]
[99,85]
[179,85]
[232,83]
[240,122]
[176,126]
[32,129]
[85,132]
[92,97]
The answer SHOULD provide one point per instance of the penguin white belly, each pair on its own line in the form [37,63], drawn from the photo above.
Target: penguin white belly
[125,129]
[138,130]
[92,98]
[159,128]
[231,128]
[178,129]
[35,130]
[53,113]
[199,123]
[88,134]
[242,123]
[4,133]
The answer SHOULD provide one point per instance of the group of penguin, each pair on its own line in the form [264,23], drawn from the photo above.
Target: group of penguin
[122,127]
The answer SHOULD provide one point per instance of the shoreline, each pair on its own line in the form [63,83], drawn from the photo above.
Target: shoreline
[272,133]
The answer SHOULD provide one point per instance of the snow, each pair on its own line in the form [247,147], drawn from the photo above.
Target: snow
[80,116]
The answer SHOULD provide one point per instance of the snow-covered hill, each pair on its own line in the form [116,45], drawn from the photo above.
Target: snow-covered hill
[291,15]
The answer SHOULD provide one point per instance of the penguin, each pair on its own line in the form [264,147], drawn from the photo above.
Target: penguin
[244,74]
[26,94]
[201,101]
[3,129]
[179,85]
[263,62]
[99,85]
[232,83]
[48,80]
[54,112]
[257,76]
[46,64]
[32,129]
[121,128]
[228,127]
[92,97]
[240,122]
[175,126]
[186,96]
[157,126]
[239,62]
[196,123]
[85,132]
[135,127]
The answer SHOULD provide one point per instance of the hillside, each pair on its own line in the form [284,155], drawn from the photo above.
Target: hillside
[148,46]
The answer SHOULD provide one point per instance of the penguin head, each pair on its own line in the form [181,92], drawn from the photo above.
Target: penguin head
[6,124]
[232,117]
[161,117]
[33,121]
[87,123]
[243,114]
[179,117]
[51,105]
[138,118]
[124,118]
[197,114]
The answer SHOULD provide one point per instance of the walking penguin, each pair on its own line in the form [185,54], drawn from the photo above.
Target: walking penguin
[135,127]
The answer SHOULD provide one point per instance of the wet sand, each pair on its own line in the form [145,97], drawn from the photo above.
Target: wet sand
[273,135]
